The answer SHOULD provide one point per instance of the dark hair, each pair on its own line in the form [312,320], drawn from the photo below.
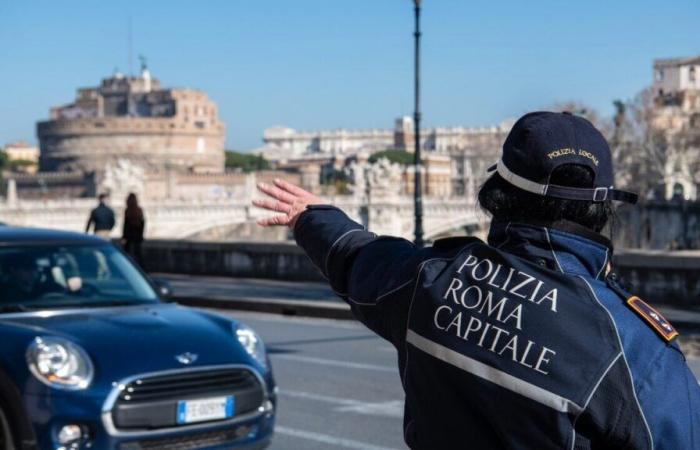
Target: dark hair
[506,202]
[132,201]
[133,212]
[102,196]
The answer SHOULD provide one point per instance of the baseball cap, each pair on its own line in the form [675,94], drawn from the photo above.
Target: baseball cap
[539,142]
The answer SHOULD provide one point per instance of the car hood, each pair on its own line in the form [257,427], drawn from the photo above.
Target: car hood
[127,341]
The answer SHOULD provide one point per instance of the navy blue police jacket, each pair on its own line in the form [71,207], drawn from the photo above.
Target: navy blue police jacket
[521,343]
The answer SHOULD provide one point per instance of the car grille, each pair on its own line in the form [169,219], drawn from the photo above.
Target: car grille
[190,441]
[151,401]
[187,384]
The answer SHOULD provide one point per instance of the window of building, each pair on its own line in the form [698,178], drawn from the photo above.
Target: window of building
[659,74]
[678,190]
[691,74]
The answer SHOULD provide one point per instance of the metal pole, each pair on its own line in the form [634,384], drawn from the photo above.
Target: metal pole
[417,163]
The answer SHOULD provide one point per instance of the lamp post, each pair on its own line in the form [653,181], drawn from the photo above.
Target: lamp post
[417,163]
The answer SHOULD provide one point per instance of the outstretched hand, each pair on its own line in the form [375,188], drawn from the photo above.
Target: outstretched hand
[286,198]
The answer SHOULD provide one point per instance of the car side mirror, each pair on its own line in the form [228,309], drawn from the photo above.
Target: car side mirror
[163,288]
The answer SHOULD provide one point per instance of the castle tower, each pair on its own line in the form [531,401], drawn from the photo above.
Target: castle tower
[134,119]
[403,134]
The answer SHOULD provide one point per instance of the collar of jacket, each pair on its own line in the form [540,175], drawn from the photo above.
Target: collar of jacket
[562,245]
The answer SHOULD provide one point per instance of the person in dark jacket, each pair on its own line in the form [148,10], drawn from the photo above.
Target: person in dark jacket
[134,225]
[527,341]
[101,218]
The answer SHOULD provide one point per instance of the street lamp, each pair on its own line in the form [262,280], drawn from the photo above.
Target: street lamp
[417,163]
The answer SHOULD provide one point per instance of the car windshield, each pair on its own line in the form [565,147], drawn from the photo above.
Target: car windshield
[55,276]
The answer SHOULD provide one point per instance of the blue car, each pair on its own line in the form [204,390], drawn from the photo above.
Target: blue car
[93,357]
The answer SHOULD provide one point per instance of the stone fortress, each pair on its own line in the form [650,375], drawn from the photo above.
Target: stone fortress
[131,135]
[133,118]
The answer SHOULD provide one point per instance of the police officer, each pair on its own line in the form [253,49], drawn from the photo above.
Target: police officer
[524,342]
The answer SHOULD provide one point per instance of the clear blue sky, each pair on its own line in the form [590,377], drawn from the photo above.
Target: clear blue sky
[313,64]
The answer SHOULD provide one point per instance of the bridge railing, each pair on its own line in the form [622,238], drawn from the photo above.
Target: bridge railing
[671,278]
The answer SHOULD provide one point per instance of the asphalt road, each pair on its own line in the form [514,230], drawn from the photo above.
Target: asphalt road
[225,288]
[339,385]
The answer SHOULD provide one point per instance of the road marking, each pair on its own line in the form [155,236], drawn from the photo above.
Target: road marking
[335,363]
[327,439]
[390,408]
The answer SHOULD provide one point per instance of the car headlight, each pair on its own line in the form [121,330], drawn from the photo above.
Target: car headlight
[59,363]
[251,342]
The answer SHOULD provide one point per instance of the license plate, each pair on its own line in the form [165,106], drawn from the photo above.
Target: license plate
[201,410]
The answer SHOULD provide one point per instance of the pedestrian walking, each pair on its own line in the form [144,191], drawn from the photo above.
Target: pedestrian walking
[526,341]
[134,225]
[101,218]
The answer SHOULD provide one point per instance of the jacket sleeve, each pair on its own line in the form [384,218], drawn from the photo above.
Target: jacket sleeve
[670,398]
[374,275]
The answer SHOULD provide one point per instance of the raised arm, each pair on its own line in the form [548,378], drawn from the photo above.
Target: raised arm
[369,272]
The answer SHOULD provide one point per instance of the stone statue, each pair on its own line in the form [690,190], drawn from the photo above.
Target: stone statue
[382,179]
[143,62]
[122,177]
[358,183]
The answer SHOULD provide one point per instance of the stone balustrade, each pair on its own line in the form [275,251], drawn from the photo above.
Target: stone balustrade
[671,278]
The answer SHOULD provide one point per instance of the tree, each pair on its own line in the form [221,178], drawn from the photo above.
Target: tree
[643,153]
[245,161]
[335,182]
[4,159]
[579,109]
[638,151]
[393,155]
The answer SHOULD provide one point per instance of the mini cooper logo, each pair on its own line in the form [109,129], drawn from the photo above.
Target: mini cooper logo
[186,358]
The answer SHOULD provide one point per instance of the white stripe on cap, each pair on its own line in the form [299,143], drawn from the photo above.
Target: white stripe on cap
[517,180]
[492,374]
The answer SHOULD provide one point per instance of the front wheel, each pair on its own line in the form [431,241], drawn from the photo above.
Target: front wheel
[6,436]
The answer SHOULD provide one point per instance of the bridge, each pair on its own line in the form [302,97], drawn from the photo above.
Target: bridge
[220,219]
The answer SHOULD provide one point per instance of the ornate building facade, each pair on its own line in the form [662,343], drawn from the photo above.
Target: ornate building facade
[468,151]
[676,120]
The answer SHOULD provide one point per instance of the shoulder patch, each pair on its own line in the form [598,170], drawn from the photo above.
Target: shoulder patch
[454,242]
[652,317]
